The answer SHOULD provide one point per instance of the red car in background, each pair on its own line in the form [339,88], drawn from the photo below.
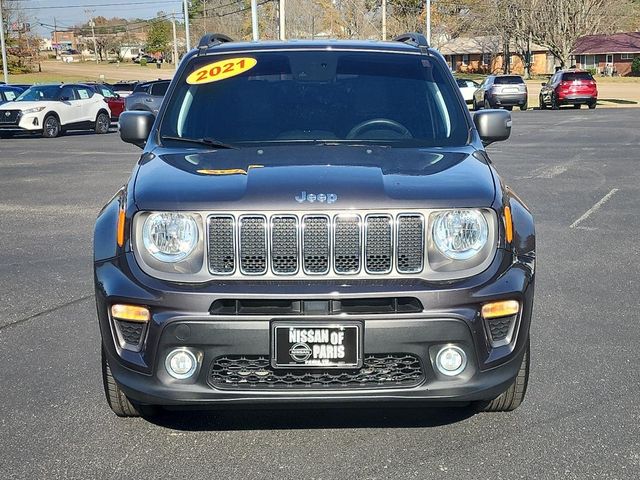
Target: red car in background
[569,87]
[115,101]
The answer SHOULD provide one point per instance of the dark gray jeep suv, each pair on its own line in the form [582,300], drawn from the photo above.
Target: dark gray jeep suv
[312,223]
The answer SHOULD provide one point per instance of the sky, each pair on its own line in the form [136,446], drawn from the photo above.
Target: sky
[71,12]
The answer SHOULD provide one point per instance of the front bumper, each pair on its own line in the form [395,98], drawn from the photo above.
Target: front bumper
[30,122]
[181,318]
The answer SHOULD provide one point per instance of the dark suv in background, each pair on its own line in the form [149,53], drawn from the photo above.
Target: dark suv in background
[314,222]
[569,87]
[147,96]
[501,91]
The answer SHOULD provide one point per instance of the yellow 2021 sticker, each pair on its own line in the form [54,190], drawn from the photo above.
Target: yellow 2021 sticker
[214,72]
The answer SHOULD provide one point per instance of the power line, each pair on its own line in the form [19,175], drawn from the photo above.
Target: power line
[102,5]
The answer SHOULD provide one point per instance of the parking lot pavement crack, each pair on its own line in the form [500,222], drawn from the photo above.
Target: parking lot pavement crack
[595,208]
[44,312]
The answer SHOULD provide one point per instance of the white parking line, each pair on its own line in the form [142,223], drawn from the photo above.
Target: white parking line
[595,208]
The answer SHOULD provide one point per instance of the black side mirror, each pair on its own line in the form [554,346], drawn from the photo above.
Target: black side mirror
[135,126]
[544,84]
[493,125]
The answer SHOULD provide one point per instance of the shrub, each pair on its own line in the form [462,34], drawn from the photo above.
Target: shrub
[592,71]
[635,66]
[143,62]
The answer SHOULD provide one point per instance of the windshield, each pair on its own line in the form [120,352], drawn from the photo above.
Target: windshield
[43,92]
[317,96]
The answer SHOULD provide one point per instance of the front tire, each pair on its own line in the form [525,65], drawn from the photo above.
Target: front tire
[474,106]
[51,127]
[116,398]
[103,122]
[514,395]
[543,106]
[554,103]
[524,107]
[592,106]
[486,103]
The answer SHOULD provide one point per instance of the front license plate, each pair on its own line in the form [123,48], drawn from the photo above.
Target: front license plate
[305,345]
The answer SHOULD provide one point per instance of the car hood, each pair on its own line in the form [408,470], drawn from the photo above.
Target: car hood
[288,177]
[22,105]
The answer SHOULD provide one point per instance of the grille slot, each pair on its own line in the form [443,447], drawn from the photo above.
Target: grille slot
[253,245]
[221,245]
[254,372]
[378,243]
[315,244]
[410,244]
[284,245]
[346,244]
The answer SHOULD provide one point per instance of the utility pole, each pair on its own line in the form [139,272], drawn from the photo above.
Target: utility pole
[92,24]
[254,19]
[5,68]
[175,42]
[428,22]
[384,20]
[186,24]
[281,14]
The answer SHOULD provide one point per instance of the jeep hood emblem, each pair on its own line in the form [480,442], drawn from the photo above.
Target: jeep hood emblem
[316,197]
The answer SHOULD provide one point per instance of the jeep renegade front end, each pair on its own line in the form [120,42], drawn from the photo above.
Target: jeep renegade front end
[314,222]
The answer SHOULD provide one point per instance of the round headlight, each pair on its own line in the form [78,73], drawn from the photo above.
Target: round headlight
[170,236]
[460,234]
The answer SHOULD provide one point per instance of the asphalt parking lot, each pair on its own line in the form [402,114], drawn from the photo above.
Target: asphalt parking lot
[577,171]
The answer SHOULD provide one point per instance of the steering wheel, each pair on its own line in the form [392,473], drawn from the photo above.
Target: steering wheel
[381,122]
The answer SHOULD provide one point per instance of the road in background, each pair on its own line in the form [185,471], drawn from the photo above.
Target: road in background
[580,419]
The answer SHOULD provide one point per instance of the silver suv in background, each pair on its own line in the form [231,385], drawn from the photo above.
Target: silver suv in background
[501,91]
[147,96]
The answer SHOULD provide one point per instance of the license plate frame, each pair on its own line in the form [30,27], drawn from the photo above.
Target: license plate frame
[353,339]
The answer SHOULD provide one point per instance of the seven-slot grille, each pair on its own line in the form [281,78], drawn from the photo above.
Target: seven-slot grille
[316,244]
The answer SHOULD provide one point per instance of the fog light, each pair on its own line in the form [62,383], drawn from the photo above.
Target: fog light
[451,360]
[181,363]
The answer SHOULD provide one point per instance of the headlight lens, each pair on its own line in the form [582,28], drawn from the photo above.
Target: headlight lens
[460,234]
[33,110]
[170,236]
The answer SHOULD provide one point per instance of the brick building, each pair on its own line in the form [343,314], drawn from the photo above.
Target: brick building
[607,54]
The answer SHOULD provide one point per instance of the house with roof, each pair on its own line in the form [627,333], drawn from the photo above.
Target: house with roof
[607,54]
[484,54]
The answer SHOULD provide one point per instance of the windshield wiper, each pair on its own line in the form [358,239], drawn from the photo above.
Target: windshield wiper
[209,142]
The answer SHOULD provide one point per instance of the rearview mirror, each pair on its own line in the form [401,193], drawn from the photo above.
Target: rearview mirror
[492,125]
[64,99]
[135,126]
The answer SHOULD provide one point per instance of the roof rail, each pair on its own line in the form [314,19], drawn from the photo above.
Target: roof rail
[212,39]
[415,39]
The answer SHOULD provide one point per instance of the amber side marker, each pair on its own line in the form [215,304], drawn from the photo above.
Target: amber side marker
[503,308]
[508,224]
[131,313]
[121,222]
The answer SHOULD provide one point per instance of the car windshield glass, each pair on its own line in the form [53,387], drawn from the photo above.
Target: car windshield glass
[123,87]
[570,77]
[324,96]
[45,92]
[509,80]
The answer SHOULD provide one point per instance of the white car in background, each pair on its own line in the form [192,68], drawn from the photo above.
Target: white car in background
[54,109]
[467,88]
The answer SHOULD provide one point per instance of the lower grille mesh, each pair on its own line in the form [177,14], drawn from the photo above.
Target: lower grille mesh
[499,328]
[131,332]
[249,372]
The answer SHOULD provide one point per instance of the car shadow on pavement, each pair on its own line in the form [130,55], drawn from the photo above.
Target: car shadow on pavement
[311,418]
